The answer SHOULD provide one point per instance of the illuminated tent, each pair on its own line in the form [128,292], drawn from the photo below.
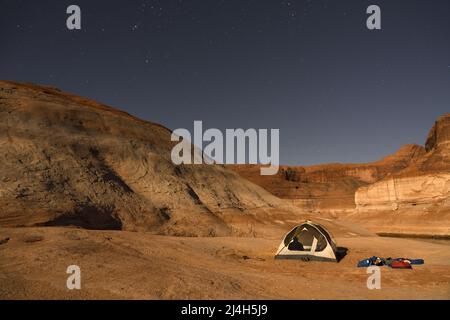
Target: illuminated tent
[308,241]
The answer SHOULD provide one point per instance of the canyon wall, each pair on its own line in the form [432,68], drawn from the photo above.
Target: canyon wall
[414,177]
[396,192]
[329,186]
[425,182]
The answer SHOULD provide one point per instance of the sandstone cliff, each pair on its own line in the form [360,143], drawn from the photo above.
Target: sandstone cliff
[329,186]
[66,160]
[423,183]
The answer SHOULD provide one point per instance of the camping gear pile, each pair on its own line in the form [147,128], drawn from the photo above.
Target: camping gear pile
[308,241]
[397,263]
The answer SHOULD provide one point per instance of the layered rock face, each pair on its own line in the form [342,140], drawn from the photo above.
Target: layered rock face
[425,182]
[66,160]
[407,193]
[400,191]
[330,186]
[439,136]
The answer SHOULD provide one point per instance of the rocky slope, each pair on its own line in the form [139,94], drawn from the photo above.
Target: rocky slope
[329,186]
[424,182]
[66,160]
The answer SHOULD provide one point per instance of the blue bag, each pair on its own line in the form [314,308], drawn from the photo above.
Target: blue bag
[417,261]
[364,263]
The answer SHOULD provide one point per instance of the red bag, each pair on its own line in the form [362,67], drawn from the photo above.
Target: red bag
[401,264]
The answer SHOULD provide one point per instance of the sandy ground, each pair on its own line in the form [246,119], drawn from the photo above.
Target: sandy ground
[132,265]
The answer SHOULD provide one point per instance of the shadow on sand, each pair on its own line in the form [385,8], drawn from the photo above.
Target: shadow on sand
[341,252]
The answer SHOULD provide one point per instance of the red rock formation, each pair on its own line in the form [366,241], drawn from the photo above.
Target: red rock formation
[405,193]
[329,186]
[425,182]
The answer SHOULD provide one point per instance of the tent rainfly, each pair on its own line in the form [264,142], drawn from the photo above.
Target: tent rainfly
[308,241]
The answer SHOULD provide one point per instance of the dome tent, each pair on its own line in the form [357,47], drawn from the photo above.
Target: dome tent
[308,241]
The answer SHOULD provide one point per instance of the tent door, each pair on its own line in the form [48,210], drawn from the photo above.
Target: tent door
[314,245]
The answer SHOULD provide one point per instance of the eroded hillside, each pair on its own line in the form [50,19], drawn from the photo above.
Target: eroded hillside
[67,160]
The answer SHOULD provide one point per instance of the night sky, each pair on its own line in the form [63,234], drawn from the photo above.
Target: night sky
[337,91]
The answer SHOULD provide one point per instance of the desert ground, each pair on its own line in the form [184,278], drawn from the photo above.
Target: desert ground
[136,265]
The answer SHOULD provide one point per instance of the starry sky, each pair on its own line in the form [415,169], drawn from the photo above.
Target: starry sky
[337,91]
